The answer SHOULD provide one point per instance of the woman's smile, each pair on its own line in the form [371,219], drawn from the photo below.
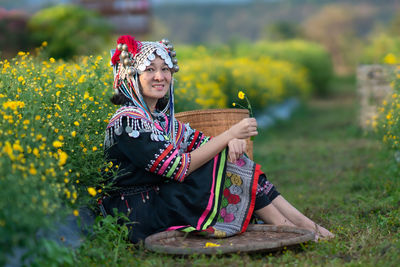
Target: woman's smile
[155,81]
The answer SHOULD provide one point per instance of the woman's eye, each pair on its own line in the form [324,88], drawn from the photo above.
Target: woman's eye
[149,69]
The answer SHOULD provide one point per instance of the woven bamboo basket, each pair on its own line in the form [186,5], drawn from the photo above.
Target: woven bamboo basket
[257,238]
[212,122]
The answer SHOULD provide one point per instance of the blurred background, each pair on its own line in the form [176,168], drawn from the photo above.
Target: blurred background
[351,31]
[322,71]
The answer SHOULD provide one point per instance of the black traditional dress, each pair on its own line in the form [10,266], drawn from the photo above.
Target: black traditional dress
[153,188]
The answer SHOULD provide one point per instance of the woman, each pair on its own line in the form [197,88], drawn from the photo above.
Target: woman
[171,176]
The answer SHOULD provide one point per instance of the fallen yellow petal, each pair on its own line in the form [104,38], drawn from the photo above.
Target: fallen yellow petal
[211,245]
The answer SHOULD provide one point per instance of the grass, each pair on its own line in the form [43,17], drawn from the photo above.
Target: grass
[330,170]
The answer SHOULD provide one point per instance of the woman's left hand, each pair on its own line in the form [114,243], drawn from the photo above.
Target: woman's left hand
[236,149]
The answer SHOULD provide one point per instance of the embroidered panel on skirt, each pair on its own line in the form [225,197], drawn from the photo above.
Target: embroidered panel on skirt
[236,199]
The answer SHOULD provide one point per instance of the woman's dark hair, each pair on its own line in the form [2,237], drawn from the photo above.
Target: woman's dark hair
[162,103]
[119,99]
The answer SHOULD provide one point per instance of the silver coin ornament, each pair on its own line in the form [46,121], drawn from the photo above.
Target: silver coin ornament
[173,54]
[128,129]
[125,47]
[134,134]
[153,137]
[127,62]
[119,47]
[124,54]
[131,71]
[176,68]
[107,142]
[175,61]
[170,47]
[165,41]
[118,131]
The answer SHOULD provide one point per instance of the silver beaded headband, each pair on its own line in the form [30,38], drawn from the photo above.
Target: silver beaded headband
[147,52]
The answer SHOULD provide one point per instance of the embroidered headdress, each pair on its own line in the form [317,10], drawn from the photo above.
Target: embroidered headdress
[130,59]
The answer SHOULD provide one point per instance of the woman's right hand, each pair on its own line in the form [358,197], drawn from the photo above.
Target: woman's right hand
[244,129]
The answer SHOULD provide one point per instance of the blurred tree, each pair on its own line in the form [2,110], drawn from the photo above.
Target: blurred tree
[336,27]
[282,30]
[69,30]
[14,35]
[394,27]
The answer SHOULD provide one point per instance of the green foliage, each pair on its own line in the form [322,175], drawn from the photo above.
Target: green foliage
[389,120]
[108,242]
[213,82]
[268,72]
[69,30]
[282,30]
[50,253]
[52,115]
[378,47]
[311,56]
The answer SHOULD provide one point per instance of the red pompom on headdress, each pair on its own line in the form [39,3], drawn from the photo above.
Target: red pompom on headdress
[133,47]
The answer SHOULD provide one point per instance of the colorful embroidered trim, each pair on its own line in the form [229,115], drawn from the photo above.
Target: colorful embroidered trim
[214,196]
[130,112]
[257,174]
[163,155]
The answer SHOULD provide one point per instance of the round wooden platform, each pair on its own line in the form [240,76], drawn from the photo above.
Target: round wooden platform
[257,238]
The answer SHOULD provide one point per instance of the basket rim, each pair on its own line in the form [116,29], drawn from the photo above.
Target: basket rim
[213,111]
[152,241]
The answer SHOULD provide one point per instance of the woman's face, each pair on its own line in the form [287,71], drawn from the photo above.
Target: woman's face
[155,81]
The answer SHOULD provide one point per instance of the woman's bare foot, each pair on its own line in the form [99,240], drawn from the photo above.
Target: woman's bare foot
[322,234]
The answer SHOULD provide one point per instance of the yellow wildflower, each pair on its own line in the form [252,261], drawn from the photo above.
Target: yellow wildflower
[94,148]
[92,191]
[76,213]
[241,95]
[76,123]
[57,144]
[44,43]
[73,133]
[13,105]
[82,79]
[62,158]
[86,95]
[390,59]
[32,171]
[36,152]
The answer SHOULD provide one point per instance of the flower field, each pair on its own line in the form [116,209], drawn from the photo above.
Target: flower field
[389,123]
[53,114]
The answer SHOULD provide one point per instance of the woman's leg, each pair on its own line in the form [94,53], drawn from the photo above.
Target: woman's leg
[271,215]
[297,218]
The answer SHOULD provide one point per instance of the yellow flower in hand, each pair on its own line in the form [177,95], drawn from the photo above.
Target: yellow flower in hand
[241,95]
